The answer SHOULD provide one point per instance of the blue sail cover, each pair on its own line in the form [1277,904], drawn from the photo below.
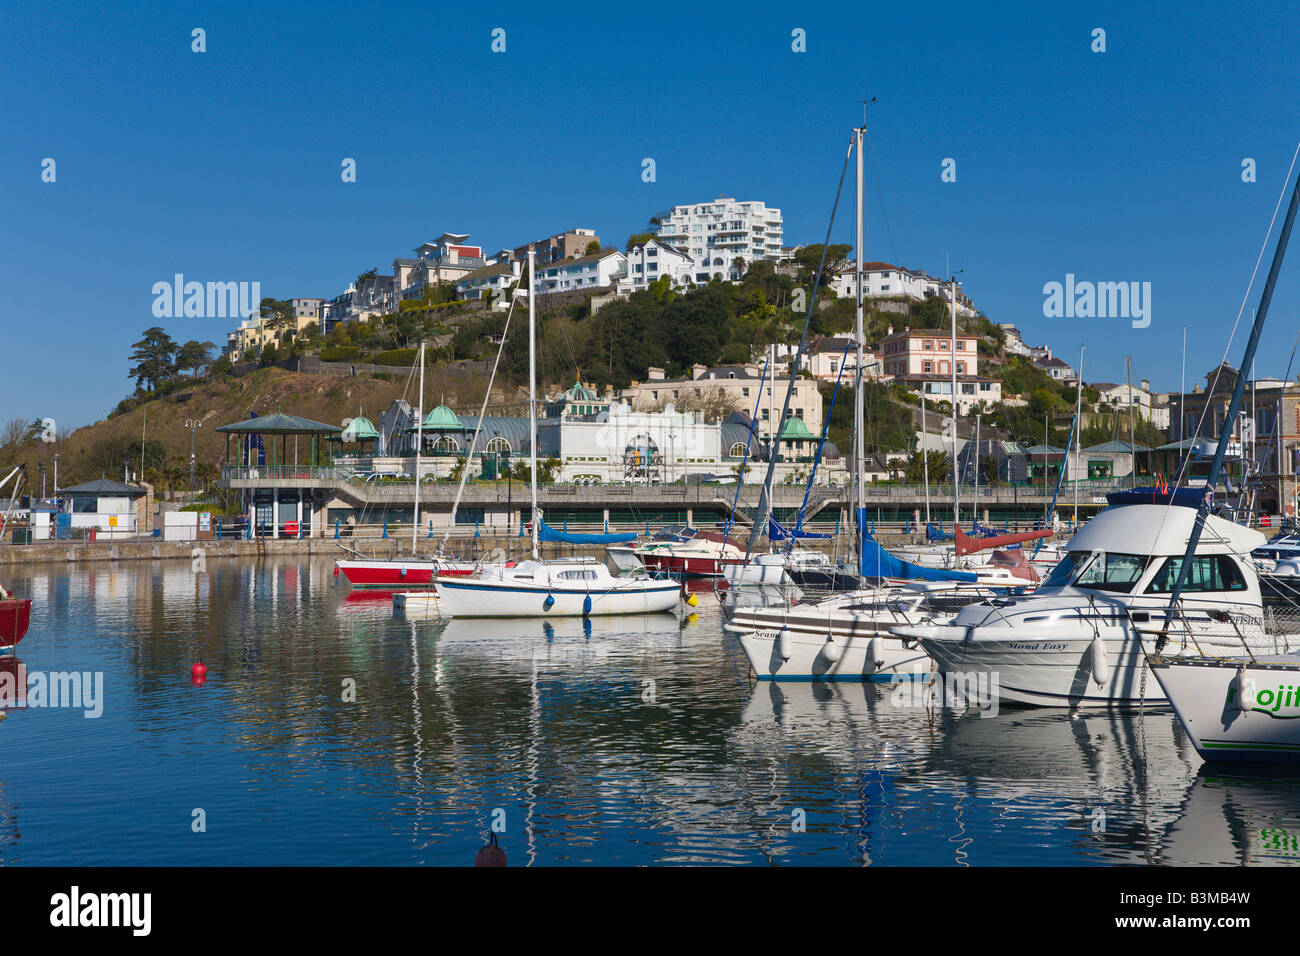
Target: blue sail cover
[879,563]
[546,533]
[777,533]
[934,534]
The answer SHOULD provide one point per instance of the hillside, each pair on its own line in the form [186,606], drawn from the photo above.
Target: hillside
[99,450]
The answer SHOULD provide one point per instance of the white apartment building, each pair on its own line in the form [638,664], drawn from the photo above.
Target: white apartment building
[648,261]
[883,280]
[728,388]
[724,236]
[496,278]
[1119,396]
[588,272]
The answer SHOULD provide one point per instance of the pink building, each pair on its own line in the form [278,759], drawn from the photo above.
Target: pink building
[927,352]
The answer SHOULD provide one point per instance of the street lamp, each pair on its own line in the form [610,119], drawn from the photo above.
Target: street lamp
[193,424]
[56,474]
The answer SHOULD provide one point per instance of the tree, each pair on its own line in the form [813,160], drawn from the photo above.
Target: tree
[155,358]
[194,356]
[366,277]
[636,239]
[593,247]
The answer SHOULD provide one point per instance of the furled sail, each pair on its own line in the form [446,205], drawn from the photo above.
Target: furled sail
[879,563]
[546,533]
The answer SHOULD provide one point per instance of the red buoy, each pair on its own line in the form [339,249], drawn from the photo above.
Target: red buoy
[491,855]
[198,673]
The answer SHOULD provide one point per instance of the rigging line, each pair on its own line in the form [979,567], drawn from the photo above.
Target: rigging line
[1240,310]
[1277,417]
[478,427]
[740,479]
[871,155]
[794,364]
[798,525]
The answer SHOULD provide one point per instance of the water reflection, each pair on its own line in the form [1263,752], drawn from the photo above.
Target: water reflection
[331,732]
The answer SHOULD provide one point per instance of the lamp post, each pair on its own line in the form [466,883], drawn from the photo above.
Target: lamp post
[56,474]
[193,424]
[41,467]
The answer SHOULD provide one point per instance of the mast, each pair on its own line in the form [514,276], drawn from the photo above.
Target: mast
[859,424]
[1132,439]
[419,442]
[974,516]
[1182,386]
[925,459]
[952,360]
[532,393]
[1078,438]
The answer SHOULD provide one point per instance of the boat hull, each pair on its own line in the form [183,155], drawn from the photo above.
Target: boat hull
[1043,669]
[808,660]
[688,565]
[15,617]
[1204,696]
[476,597]
[400,574]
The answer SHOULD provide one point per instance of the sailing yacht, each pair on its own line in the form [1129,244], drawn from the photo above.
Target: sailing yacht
[567,587]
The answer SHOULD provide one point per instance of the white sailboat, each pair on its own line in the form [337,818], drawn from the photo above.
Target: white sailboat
[576,587]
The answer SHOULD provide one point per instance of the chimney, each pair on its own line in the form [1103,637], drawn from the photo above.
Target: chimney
[1145,384]
[698,370]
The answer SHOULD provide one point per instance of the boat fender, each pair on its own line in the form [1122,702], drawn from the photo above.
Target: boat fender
[692,600]
[490,855]
[403,572]
[1100,661]
[832,651]
[784,644]
[549,602]
[586,606]
[876,653]
[1245,690]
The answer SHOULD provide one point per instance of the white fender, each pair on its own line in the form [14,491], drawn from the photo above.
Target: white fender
[1100,662]
[832,651]
[876,653]
[1245,690]
[784,644]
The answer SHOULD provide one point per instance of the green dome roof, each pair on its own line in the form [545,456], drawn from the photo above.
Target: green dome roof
[443,419]
[795,430]
[580,394]
[359,429]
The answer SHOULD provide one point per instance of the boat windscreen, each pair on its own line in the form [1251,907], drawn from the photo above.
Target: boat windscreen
[1098,571]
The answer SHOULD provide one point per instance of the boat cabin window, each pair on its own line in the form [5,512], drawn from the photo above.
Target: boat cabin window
[1210,572]
[577,575]
[1098,571]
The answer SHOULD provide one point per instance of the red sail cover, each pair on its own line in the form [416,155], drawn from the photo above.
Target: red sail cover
[968,545]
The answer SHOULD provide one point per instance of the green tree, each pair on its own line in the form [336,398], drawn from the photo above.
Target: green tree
[636,239]
[194,355]
[593,247]
[366,277]
[155,358]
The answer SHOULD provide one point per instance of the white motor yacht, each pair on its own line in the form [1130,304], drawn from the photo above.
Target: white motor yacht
[1081,638]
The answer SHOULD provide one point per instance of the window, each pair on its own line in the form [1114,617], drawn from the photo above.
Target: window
[943,344]
[961,345]
[961,368]
[928,367]
[497,445]
[737,450]
[1101,571]
[1210,572]
[744,393]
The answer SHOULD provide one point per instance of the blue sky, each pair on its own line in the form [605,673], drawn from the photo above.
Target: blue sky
[224,165]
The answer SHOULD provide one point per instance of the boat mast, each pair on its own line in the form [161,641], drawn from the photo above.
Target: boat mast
[1078,438]
[859,425]
[1132,439]
[925,459]
[419,442]
[532,393]
[952,360]
[975,504]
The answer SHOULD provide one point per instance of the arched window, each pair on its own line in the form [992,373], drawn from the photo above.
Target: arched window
[498,445]
[737,450]
[446,443]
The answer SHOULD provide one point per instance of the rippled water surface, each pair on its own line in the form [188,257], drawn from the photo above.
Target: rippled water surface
[622,742]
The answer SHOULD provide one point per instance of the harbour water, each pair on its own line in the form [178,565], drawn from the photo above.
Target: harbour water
[329,732]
